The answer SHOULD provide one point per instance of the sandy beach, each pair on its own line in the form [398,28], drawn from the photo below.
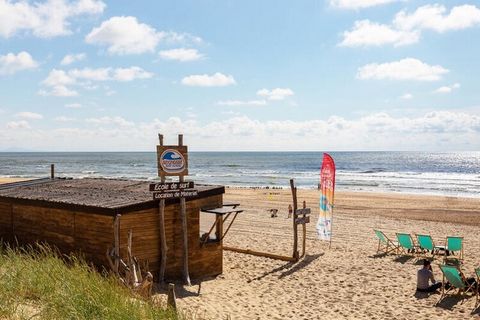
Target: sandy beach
[346,281]
[9,180]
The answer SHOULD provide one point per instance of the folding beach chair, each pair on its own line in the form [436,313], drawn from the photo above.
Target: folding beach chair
[456,280]
[385,245]
[406,243]
[426,244]
[452,245]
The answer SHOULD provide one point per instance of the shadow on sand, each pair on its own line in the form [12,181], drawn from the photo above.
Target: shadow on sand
[290,267]
[449,302]
[181,290]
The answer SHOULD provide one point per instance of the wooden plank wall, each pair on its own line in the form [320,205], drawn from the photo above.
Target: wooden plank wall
[6,222]
[70,231]
[203,261]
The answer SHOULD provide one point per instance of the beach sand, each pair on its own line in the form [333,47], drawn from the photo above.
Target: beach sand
[9,180]
[344,282]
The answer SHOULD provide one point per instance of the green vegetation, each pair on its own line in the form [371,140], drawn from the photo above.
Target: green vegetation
[38,284]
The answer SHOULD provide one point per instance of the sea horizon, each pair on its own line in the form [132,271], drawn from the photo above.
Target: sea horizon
[445,173]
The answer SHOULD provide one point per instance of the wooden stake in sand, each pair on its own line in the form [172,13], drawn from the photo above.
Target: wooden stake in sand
[295,229]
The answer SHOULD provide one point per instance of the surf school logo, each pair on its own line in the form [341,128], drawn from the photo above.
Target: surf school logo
[172,161]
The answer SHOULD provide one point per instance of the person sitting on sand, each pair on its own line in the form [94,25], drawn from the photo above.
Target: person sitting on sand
[424,276]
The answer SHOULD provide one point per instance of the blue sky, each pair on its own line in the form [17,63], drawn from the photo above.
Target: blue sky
[240,75]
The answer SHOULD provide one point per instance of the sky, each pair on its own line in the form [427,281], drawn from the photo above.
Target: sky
[270,75]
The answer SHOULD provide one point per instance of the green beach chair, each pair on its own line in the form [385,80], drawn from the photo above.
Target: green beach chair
[426,244]
[456,281]
[385,245]
[454,245]
[406,243]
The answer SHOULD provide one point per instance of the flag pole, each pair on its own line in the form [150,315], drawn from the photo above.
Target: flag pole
[331,231]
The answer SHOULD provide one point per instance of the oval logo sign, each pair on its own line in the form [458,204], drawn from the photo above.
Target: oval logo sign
[172,161]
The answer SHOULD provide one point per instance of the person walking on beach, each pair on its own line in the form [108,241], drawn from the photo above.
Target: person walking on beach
[425,276]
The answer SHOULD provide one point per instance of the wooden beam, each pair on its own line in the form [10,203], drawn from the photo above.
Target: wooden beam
[163,238]
[183,215]
[295,229]
[261,254]
[52,171]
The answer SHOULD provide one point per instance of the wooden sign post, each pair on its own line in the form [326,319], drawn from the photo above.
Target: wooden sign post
[300,216]
[173,161]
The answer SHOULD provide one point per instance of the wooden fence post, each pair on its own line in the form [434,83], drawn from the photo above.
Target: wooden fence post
[295,229]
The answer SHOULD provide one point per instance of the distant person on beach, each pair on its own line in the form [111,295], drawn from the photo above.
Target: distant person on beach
[425,276]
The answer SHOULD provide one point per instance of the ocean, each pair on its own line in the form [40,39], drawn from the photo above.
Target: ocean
[449,173]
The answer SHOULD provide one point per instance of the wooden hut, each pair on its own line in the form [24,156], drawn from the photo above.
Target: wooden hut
[77,215]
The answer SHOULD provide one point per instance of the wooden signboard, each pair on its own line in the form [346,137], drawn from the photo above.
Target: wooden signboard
[169,186]
[305,211]
[172,160]
[172,194]
[302,220]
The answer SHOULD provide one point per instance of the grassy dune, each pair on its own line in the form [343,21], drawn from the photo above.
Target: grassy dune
[38,284]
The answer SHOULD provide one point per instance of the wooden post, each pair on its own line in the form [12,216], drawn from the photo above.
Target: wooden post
[304,229]
[163,240]
[171,297]
[116,234]
[52,171]
[183,215]
[295,230]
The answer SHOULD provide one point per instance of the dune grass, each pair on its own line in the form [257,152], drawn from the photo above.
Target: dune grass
[35,283]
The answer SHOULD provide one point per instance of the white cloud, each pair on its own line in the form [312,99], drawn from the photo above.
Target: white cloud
[204,80]
[116,121]
[275,94]
[181,54]
[58,91]
[439,130]
[126,35]
[358,4]
[234,103]
[366,33]
[12,63]
[58,81]
[405,69]
[63,119]
[71,58]
[73,106]
[435,17]
[29,115]
[22,124]
[44,19]
[448,89]
[407,28]
[407,96]
[129,74]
